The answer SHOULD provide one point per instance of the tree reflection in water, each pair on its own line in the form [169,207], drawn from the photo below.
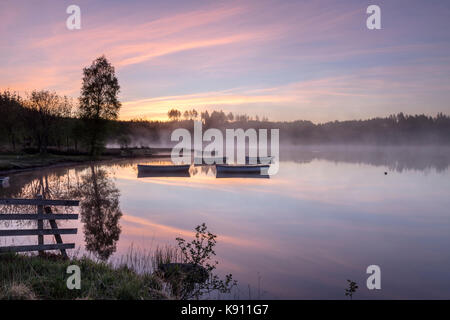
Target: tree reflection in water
[100,212]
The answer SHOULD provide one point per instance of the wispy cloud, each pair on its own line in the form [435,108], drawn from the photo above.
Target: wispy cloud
[313,60]
[310,99]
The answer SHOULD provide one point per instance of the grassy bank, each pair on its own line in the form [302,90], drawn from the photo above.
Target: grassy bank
[182,272]
[33,277]
[10,162]
[21,162]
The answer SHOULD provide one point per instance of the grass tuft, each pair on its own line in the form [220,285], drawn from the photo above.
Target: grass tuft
[34,277]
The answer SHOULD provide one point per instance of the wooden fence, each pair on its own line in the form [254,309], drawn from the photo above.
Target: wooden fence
[43,212]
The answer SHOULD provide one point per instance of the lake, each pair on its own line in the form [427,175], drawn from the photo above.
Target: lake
[328,214]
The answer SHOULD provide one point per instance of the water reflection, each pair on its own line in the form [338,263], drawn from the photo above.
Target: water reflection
[92,185]
[203,170]
[162,174]
[242,175]
[326,216]
[100,212]
[51,185]
[395,158]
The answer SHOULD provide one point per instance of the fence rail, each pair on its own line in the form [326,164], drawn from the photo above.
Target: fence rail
[39,202]
[30,216]
[35,232]
[38,247]
[43,212]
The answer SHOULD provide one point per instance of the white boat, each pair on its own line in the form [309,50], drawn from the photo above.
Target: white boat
[255,169]
[163,168]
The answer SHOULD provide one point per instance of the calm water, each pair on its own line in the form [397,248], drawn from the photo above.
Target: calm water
[327,215]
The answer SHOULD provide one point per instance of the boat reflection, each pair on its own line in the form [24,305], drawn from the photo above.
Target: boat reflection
[162,174]
[242,175]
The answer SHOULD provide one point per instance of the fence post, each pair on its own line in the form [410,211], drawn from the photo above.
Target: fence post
[54,226]
[40,223]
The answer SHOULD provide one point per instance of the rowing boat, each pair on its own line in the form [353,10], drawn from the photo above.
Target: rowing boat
[163,168]
[163,174]
[255,169]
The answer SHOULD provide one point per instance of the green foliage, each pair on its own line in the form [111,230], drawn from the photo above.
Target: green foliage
[98,102]
[11,126]
[174,114]
[45,278]
[41,120]
[199,253]
[46,109]
[351,289]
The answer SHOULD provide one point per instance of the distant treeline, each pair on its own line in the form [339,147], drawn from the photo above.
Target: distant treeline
[46,122]
[399,129]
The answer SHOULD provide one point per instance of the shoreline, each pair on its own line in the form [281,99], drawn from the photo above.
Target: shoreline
[35,162]
[17,163]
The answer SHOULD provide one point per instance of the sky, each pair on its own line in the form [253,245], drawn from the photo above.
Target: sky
[285,60]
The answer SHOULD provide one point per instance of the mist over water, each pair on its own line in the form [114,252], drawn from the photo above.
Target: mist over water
[330,212]
[395,158]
